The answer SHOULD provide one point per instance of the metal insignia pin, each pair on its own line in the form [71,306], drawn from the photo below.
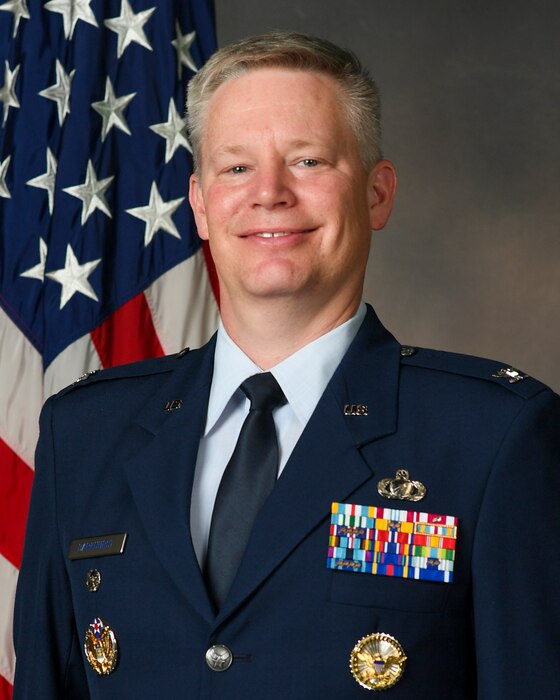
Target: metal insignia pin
[510,373]
[173,405]
[377,661]
[401,487]
[93,580]
[86,375]
[101,647]
[355,409]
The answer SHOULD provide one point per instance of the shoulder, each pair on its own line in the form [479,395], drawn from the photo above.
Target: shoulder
[134,372]
[487,374]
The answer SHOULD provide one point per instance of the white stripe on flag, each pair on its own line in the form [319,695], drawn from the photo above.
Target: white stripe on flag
[183,307]
[8,580]
[21,396]
[76,359]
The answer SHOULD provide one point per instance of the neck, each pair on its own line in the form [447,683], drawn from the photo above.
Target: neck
[271,331]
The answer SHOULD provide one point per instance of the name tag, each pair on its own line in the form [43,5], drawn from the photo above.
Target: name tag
[98,546]
[392,542]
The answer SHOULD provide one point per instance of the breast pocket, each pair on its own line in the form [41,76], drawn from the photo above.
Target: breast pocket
[388,592]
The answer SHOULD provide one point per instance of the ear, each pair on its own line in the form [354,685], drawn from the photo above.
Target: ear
[196,200]
[382,185]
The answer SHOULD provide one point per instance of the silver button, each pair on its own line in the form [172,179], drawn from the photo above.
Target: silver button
[407,351]
[219,658]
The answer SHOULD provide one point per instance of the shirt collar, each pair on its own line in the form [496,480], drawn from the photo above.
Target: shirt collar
[303,376]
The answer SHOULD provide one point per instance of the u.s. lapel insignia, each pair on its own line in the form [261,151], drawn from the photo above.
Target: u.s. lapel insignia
[392,542]
[377,661]
[101,647]
[173,405]
[401,487]
[355,409]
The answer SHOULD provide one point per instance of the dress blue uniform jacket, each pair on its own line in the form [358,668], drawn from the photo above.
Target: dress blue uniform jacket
[111,459]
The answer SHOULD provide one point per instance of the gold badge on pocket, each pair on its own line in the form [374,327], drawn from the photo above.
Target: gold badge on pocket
[101,647]
[377,661]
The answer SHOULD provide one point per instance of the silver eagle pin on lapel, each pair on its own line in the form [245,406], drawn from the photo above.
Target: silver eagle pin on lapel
[401,487]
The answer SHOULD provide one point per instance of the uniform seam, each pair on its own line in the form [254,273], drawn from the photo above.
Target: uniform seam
[73,638]
[515,419]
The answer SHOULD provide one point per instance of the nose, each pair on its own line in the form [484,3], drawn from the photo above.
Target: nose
[273,186]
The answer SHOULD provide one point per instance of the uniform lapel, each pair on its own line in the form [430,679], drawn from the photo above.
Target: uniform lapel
[327,463]
[161,473]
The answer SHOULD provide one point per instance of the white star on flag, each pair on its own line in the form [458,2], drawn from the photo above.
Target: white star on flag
[111,109]
[7,91]
[173,131]
[72,11]
[19,9]
[73,277]
[46,181]
[129,27]
[60,91]
[91,192]
[37,272]
[182,45]
[4,191]
[157,215]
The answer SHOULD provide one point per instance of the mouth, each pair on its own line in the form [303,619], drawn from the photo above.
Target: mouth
[276,234]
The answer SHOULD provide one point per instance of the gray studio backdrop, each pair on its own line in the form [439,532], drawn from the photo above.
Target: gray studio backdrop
[471,117]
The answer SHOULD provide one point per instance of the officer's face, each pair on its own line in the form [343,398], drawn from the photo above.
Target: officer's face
[282,194]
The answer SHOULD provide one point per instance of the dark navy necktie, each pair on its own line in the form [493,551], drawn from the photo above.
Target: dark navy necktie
[247,481]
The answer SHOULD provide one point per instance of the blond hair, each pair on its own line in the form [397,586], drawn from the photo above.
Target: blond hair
[298,52]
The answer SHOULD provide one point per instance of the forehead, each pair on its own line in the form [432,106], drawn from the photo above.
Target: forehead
[275,96]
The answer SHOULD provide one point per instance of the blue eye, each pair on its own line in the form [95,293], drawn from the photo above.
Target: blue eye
[238,169]
[309,162]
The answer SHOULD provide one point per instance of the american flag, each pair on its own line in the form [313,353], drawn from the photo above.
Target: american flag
[100,263]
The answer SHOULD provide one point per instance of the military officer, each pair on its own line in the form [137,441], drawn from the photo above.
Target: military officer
[303,507]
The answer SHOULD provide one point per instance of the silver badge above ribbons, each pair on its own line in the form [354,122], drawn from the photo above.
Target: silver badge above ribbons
[401,487]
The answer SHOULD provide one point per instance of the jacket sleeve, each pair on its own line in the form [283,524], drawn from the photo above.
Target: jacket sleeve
[49,661]
[516,567]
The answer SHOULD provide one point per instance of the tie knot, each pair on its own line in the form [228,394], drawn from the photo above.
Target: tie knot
[263,391]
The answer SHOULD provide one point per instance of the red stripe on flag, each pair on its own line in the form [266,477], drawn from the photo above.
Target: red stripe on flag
[5,689]
[212,274]
[16,479]
[127,335]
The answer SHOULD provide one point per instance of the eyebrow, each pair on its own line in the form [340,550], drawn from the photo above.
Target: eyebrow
[240,150]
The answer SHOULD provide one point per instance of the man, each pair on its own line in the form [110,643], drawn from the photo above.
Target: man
[408,544]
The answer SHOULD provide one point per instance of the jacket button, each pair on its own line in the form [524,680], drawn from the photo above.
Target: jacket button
[219,658]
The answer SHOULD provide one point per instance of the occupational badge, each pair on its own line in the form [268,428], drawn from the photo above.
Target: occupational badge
[101,647]
[392,542]
[93,580]
[401,487]
[377,661]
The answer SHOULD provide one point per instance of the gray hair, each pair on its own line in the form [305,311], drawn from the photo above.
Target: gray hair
[298,52]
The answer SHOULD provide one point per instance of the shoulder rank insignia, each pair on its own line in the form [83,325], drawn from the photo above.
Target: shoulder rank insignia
[401,487]
[509,373]
[392,542]
[86,375]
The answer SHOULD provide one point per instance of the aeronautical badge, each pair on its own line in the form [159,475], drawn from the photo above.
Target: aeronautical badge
[401,487]
[377,661]
[101,647]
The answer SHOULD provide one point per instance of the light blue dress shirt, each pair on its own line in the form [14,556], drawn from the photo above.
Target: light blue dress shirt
[303,377]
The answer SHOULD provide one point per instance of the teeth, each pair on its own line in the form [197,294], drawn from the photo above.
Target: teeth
[267,234]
